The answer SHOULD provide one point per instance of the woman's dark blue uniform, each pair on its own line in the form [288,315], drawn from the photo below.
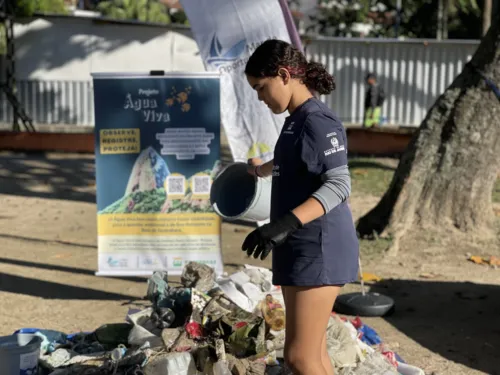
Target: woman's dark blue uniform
[324,251]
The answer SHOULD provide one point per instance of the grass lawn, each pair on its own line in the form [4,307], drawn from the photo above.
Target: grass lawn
[373,176]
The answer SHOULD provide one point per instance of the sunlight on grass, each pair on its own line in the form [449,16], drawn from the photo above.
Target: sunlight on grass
[370,176]
[496,192]
[370,249]
[373,176]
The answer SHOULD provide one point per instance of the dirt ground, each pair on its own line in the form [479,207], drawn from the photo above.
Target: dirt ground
[447,309]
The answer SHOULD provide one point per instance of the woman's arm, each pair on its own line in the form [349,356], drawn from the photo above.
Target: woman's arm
[336,188]
[308,211]
[324,151]
[263,170]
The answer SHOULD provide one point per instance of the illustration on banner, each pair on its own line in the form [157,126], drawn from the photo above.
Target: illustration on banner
[174,167]
[157,154]
[152,188]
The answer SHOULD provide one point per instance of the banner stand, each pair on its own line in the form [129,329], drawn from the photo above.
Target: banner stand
[157,151]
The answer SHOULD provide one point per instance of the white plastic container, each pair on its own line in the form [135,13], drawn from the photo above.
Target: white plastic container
[19,354]
[237,195]
[172,364]
[406,369]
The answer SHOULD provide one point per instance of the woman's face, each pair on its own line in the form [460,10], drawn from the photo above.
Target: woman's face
[275,92]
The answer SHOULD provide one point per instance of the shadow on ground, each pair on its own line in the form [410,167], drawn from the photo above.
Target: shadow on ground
[55,176]
[457,320]
[51,290]
[72,270]
[355,163]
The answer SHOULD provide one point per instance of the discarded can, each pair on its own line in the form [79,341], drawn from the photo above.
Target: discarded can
[167,316]
[194,330]
[118,353]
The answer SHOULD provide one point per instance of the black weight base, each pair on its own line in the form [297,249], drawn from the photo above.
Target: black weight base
[370,304]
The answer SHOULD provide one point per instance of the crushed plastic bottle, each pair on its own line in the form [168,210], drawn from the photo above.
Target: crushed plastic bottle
[273,313]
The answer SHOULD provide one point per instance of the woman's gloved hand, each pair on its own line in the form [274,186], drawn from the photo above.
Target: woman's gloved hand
[262,240]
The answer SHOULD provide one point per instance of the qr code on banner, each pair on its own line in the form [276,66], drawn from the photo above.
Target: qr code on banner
[201,185]
[176,185]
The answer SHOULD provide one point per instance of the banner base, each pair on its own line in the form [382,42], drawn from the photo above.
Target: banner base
[133,273]
[178,272]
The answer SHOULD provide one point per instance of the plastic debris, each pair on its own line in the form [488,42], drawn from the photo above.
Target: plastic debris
[375,363]
[199,276]
[51,340]
[490,261]
[341,346]
[171,364]
[273,312]
[366,276]
[233,325]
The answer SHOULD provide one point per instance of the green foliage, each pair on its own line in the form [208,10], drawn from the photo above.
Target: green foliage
[140,10]
[139,202]
[418,18]
[3,40]
[51,6]
[26,8]
[337,18]
[179,17]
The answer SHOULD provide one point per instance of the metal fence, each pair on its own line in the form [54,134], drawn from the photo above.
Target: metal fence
[53,102]
[413,73]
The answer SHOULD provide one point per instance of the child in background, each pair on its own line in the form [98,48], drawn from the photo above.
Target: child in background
[374,99]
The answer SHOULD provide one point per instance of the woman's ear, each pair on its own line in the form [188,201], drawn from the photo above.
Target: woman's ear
[284,74]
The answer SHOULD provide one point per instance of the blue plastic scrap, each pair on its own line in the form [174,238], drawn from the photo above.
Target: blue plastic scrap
[370,336]
[157,286]
[50,339]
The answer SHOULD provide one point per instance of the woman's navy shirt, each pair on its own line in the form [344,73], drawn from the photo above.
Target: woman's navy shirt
[324,251]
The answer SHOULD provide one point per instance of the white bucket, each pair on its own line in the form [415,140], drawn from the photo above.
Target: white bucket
[19,354]
[237,195]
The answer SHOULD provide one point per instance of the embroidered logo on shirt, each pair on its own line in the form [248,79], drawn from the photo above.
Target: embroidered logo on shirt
[276,170]
[289,129]
[335,147]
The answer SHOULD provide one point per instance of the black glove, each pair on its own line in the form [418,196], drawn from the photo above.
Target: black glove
[262,240]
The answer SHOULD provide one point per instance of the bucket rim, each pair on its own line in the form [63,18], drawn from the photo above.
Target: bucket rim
[258,186]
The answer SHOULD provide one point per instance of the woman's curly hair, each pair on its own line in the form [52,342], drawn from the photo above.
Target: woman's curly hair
[274,54]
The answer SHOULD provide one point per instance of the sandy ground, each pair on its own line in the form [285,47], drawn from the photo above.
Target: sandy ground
[447,309]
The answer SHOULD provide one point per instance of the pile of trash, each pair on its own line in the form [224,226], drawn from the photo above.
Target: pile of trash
[209,326]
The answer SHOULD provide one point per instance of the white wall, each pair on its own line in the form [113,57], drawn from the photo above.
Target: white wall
[69,48]
[56,55]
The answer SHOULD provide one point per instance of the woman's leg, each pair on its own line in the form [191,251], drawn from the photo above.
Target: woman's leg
[308,310]
[325,358]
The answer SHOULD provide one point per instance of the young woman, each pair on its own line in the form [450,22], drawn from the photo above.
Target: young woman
[311,232]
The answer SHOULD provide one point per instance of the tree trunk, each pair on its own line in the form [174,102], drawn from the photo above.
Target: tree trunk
[439,30]
[487,8]
[446,176]
[446,8]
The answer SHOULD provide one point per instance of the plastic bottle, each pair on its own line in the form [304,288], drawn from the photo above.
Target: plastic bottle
[221,368]
[274,313]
